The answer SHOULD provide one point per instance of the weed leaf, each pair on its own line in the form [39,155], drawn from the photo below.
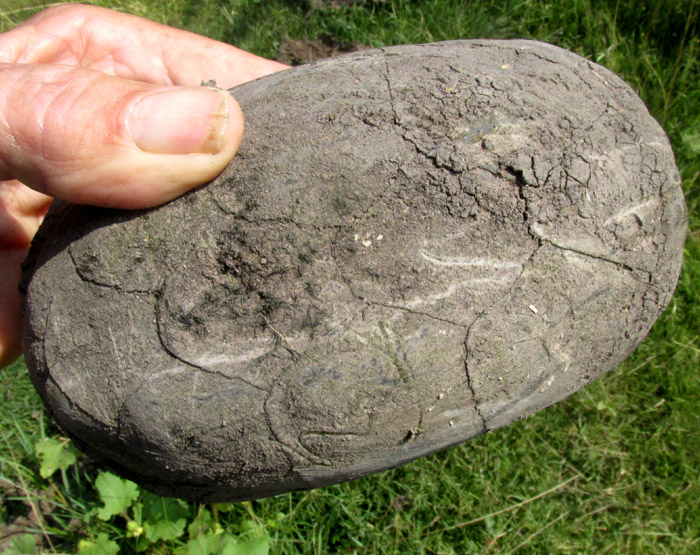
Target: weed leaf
[258,546]
[225,507]
[165,518]
[224,544]
[204,544]
[116,494]
[101,546]
[691,139]
[201,524]
[22,545]
[165,530]
[54,454]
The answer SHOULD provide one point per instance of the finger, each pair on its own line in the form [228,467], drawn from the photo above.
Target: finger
[10,324]
[21,212]
[90,138]
[130,47]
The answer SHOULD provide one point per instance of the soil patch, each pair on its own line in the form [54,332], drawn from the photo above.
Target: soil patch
[295,52]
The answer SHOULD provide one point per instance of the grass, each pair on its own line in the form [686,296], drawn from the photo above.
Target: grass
[613,469]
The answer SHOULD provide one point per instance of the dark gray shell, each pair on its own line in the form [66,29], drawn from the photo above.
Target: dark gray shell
[414,245]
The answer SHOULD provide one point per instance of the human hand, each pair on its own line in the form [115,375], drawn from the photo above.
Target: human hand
[99,107]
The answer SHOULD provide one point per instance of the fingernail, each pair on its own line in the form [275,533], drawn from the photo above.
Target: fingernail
[189,121]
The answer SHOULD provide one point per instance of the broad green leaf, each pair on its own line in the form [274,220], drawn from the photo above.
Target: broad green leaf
[229,546]
[165,530]
[258,546]
[156,508]
[54,454]
[249,527]
[142,544]
[225,507]
[101,546]
[204,544]
[691,138]
[22,545]
[165,518]
[116,494]
[202,524]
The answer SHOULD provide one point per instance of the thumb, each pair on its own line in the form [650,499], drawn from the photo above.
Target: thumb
[90,138]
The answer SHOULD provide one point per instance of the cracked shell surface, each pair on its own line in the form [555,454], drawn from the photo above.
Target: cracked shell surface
[414,245]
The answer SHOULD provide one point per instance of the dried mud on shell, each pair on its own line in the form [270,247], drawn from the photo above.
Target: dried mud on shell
[413,246]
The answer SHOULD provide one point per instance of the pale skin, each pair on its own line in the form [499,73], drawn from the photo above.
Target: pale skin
[104,108]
